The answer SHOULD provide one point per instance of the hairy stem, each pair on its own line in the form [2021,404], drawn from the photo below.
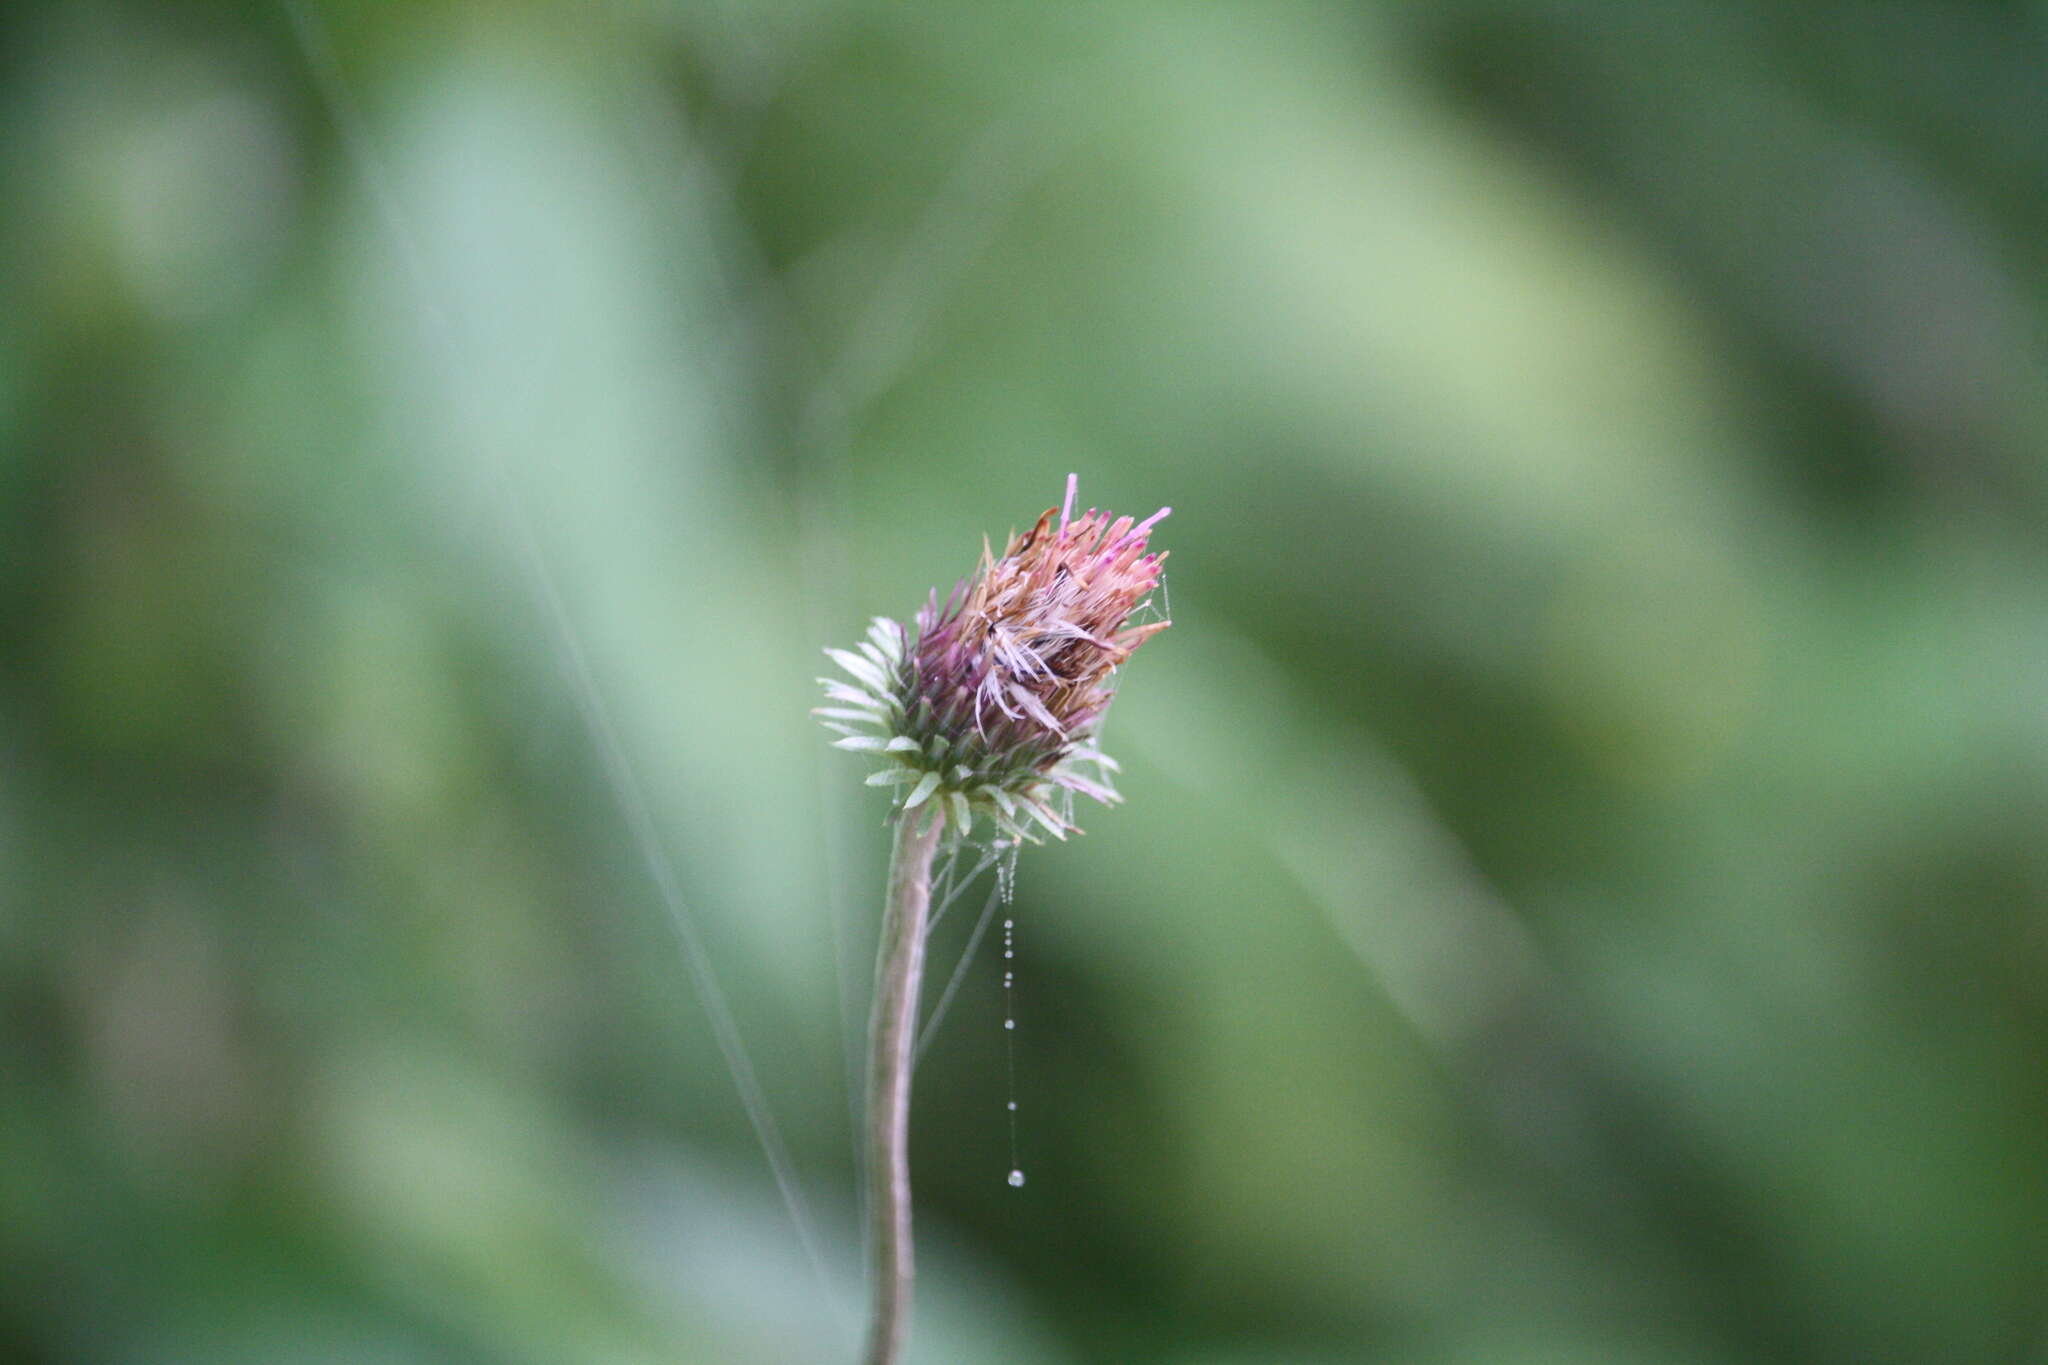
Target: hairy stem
[892,1035]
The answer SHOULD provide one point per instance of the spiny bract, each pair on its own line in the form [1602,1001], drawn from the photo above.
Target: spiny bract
[993,706]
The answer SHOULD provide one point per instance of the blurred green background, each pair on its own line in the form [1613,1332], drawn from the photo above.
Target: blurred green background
[1583,894]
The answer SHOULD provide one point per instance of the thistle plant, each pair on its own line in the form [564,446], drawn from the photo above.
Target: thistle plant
[989,711]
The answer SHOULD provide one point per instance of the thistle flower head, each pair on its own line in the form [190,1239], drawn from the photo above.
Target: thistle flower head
[993,705]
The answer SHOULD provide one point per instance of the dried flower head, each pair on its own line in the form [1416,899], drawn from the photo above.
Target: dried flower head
[994,706]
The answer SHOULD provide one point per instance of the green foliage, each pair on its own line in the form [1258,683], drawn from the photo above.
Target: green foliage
[1580,896]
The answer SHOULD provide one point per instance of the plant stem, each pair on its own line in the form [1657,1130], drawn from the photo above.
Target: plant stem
[892,1036]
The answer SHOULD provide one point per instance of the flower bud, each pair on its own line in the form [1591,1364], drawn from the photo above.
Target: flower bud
[994,705]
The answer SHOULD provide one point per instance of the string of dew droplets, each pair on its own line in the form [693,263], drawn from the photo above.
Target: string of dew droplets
[1006,886]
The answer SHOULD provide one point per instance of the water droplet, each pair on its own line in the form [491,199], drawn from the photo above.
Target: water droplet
[1009,924]
[1013,1106]
[1009,1023]
[1008,953]
[1016,1179]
